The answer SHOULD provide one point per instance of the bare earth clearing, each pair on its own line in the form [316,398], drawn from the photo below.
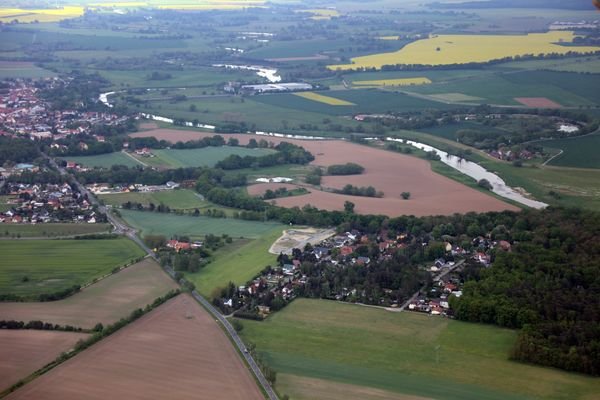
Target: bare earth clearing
[298,238]
[537,102]
[23,352]
[392,173]
[106,301]
[175,352]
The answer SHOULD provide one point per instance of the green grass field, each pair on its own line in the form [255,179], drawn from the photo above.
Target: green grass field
[13,69]
[205,157]
[153,223]
[366,100]
[105,160]
[406,353]
[238,262]
[180,199]
[51,230]
[54,265]
[567,89]
[579,152]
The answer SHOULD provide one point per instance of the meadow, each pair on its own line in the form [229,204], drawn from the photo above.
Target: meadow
[580,152]
[154,223]
[404,353]
[205,157]
[180,199]
[463,49]
[237,262]
[105,160]
[52,229]
[33,267]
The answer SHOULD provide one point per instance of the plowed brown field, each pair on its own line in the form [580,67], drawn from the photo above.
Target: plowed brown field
[22,352]
[106,301]
[392,173]
[175,352]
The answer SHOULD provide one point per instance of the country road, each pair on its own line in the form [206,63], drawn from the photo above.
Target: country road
[121,227]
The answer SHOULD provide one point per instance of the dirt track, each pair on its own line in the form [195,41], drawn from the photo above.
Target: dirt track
[106,301]
[175,352]
[23,352]
[392,173]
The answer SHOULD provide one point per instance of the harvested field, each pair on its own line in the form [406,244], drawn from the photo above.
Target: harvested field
[392,173]
[106,301]
[259,189]
[175,352]
[537,102]
[25,351]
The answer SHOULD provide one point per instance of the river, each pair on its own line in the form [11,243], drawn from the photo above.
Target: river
[477,172]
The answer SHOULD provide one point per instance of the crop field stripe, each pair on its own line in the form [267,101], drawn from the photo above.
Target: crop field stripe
[332,101]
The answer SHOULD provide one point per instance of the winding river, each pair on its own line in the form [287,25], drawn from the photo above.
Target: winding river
[477,172]
[468,168]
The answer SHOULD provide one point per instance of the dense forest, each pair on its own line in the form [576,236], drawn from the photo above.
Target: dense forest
[549,286]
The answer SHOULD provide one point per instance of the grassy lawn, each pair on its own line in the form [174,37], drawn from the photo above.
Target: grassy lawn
[404,353]
[53,265]
[238,263]
[105,160]
[50,230]
[153,223]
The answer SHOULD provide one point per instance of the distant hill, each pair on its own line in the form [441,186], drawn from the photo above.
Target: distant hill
[556,4]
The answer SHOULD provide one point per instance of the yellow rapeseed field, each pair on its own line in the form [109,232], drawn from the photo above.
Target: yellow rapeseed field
[393,82]
[321,13]
[461,49]
[332,101]
[40,15]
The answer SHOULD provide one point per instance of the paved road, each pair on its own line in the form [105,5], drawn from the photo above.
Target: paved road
[121,227]
[236,339]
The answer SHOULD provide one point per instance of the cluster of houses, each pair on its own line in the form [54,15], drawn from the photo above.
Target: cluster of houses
[24,113]
[45,203]
[286,280]
[103,188]
[179,245]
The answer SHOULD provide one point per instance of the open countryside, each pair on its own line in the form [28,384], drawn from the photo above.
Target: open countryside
[300,200]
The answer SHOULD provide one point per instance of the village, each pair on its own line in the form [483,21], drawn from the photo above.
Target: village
[23,113]
[316,271]
[47,203]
